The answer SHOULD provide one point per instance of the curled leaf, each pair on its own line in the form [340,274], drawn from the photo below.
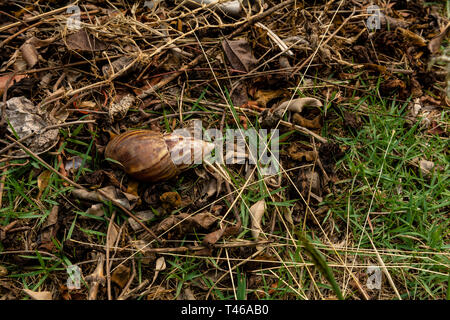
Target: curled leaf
[211,238]
[83,41]
[435,44]
[256,214]
[121,275]
[239,54]
[39,295]
[297,105]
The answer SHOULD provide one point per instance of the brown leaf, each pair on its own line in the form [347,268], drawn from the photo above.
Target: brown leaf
[125,199]
[263,97]
[83,41]
[3,271]
[112,236]
[435,44]
[239,54]
[204,219]
[118,65]
[185,223]
[414,38]
[160,266]
[121,275]
[4,80]
[30,54]
[211,238]
[256,213]
[297,105]
[239,95]
[39,295]
[49,230]
[144,249]
[170,200]
[42,181]
[301,155]
[143,216]
[309,180]
[315,123]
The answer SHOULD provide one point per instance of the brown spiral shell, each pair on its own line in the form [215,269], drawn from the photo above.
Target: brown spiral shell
[146,155]
[143,154]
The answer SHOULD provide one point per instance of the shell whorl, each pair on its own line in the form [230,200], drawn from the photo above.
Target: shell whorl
[143,154]
[151,156]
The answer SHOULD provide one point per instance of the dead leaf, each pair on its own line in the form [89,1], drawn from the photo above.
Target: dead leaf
[96,210]
[121,275]
[132,188]
[112,235]
[170,200]
[30,54]
[301,155]
[49,230]
[143,248]
[204,219]
[39,295]
[256,213]
[143,216]
[186,223]
[315,123]
[4,80]
[3,271]
[83,41]
[125,199]
[119,65]
[414,38]
[42,181]
[263,97]
[118,110]
[160,266]
[239,54]
[187,294]
[435,44]
[26,118]
[426,167]
[239,96]
[211,238]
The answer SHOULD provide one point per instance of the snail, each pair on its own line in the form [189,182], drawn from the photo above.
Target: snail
[150,156]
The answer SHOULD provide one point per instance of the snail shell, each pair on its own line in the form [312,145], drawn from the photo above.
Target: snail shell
[151,156]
